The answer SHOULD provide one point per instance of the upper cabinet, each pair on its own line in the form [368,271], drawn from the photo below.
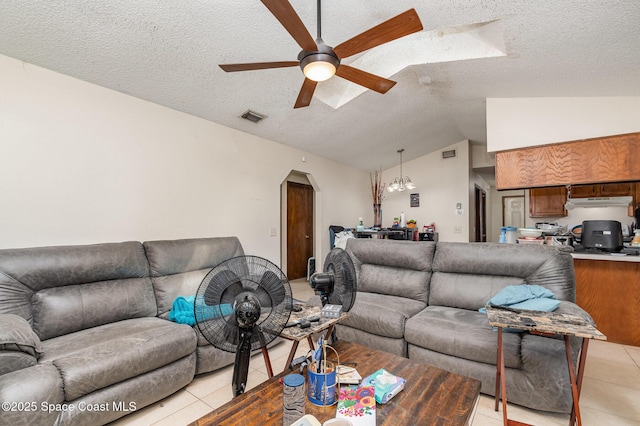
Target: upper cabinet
[617,189]
[547,202]
[583,191]
[621,189]
[599,160]
[550,201]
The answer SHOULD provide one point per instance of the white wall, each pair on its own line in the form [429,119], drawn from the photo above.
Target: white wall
[496,211]
[83,164]
[441,184]
[522,122]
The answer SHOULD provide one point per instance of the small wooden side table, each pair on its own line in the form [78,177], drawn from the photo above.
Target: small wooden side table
[544,324]
[297,334]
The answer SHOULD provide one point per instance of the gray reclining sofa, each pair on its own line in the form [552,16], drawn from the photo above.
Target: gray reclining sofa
[84,335]
[420,300]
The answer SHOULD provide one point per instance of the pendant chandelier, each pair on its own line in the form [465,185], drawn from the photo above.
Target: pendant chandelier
[403,182]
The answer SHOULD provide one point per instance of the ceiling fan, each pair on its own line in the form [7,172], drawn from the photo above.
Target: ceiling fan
[320,62]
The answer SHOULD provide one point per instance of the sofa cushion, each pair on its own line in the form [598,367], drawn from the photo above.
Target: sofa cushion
[42,285]
[179,266]
[394,281]
[399,268]
[94,358]
[491,267]
[381,314]
[461,333]
[63,310]
[466,291]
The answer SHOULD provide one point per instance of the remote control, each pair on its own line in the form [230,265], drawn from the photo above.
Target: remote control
[305,324]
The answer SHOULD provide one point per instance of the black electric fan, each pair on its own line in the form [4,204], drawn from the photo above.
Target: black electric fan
[337,285]
[242,305]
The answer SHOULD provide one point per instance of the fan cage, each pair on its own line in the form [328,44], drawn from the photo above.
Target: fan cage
[339,264]
[225,285]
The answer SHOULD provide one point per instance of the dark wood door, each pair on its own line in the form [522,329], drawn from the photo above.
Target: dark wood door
[299,229]
[481,215]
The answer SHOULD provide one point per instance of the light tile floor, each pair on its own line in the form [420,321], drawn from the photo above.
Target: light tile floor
[610,391]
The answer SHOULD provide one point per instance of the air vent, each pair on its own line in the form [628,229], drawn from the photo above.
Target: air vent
[449,154]
[252,116]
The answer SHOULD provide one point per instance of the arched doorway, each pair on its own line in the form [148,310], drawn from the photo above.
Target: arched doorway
[299,220]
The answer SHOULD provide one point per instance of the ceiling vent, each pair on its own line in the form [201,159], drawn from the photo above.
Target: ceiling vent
[252,116]
[449,154]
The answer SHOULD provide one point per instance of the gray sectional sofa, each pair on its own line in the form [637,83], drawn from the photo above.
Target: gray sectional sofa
[420,300]
[84,335]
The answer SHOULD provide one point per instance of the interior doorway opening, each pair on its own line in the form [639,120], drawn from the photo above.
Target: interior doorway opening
[299,221]
[481,215]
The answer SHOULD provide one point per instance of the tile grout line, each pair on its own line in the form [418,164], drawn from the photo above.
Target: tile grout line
[630,356]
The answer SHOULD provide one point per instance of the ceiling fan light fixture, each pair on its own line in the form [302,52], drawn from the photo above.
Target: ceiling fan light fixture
[319,66]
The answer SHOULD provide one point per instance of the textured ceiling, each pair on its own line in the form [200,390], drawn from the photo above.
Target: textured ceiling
[167,52]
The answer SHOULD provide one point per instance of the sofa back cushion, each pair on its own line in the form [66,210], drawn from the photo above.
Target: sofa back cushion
[179,266]
[64,289]
[467,275]
[392,267]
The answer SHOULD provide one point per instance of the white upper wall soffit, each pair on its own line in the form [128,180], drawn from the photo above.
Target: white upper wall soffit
[475,41]
[167,52]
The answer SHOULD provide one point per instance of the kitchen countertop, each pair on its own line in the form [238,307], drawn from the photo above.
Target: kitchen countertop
[609,257]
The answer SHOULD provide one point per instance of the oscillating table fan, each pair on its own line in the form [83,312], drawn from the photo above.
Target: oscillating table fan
[337,285]
[242,305]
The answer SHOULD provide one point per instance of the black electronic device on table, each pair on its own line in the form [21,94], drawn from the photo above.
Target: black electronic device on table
[605,235]
[242,305]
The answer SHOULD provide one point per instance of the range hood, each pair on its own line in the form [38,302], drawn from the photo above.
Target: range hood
[599,202]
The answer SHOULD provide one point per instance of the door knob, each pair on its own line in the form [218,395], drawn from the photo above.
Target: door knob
[306,236]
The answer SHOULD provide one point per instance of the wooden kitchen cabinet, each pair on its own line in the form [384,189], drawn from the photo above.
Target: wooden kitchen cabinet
[620,189]
[605,159]
[617,189]
[583,191]
[610,292]
[547,202]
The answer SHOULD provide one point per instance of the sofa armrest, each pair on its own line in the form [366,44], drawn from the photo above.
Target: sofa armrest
[29,396]
[20,347]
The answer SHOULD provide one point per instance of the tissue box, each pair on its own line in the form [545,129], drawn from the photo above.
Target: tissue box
[331,311]
[386,385]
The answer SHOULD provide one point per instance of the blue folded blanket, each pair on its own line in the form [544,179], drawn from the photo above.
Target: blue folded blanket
[183,311]
[524,296]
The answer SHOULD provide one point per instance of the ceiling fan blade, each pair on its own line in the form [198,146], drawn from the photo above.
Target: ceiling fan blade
[404,24]
[258,66]
[363,78]
[306,93]
[286,14]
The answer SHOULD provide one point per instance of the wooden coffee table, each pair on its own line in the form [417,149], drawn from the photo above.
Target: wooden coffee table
[431,396]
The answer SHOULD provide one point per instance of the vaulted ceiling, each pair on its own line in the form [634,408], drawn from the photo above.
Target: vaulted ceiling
[167,52]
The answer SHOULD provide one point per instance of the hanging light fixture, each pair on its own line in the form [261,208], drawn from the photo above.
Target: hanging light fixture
[403,182]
